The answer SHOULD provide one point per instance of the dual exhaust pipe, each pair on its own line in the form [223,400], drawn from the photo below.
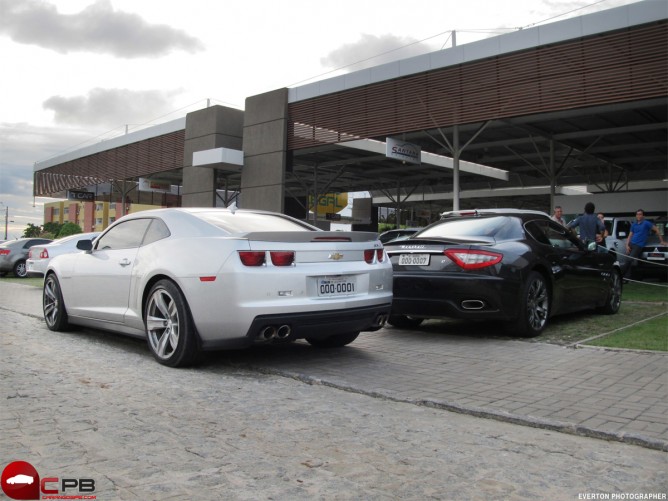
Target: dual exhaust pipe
[381,320]
[271,332]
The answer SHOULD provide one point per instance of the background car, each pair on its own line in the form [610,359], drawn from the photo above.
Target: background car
[13,255]
[399,233]
[653,261]
[519,267]
[40,255]
[205,279]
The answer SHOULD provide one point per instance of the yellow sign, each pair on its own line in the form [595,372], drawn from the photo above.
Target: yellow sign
[330,203]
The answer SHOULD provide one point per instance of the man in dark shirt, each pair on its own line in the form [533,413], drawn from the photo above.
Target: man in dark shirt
[590,225]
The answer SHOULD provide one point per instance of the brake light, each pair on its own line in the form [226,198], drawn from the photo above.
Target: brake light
[370,253]
[331,239]
[259,258]
[282,258]
[4,252]
[44,254]
[471,259]
[252,258]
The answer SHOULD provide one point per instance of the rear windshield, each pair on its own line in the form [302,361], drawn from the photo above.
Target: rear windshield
[245,222]
[497,227]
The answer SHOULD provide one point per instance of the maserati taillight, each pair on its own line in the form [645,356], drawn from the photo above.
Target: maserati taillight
[471,259]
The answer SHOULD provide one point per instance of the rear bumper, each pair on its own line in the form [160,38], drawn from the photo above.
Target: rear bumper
[316,325]
[466,297]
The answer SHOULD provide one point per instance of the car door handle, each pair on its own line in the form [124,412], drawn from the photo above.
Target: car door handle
[124,262]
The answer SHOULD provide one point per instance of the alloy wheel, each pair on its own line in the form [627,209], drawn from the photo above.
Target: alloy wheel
[162,323]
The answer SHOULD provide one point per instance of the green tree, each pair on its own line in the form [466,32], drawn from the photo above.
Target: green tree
[53,228]
[69,229]
[32,231]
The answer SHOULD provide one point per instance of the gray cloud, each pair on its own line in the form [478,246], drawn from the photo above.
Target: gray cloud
[372,50]
[98,28]
[111,107]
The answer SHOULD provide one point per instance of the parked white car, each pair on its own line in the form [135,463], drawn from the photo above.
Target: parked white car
[206,279]
[39,256]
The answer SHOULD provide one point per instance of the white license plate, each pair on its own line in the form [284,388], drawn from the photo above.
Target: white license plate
[337,285]
[414,259]
[655,256]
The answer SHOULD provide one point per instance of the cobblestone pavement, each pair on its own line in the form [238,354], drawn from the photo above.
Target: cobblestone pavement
[95,405]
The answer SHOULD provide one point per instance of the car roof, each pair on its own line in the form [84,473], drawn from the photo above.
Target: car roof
[525,213]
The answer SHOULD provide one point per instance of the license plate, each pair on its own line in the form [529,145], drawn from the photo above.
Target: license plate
[655,256]
[414,259]
[337,285]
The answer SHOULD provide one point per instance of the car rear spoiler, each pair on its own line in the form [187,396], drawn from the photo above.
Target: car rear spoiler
[310,236]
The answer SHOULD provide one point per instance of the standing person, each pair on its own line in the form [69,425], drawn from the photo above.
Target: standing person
[558,215]
[601,216]
[637,239]
[590,226]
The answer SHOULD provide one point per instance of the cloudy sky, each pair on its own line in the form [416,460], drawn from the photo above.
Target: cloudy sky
[77,72]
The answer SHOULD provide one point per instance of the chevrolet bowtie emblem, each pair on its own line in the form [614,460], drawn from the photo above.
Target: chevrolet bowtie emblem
[336,256]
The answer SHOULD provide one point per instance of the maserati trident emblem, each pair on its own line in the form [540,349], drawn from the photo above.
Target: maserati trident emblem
[336,256]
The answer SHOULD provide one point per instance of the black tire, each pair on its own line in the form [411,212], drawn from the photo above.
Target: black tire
[53,306]
[170,330]
[404,322]
[20,270]
[534,307]
[335,341]
[614,300]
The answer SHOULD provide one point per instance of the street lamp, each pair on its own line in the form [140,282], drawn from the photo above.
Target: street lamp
[6,218]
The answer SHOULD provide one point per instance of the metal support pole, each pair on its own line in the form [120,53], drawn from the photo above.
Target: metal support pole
[455,168]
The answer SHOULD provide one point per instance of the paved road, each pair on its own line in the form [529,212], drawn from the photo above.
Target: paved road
[94,405]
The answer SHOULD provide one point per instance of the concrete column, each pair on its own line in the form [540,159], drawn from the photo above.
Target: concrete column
[209,128]
[265,147]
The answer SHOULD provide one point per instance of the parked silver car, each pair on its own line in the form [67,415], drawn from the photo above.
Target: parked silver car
[205,279]
[39,256]
[13,255]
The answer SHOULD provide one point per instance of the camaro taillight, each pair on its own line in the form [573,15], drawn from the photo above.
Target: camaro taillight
[252,258]
[282,258]
[370,253]
[471,259]
[259,258]
[44,254]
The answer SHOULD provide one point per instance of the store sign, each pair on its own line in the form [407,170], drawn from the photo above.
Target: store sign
[154,185]
[331,203]
[401,150]
[81,195]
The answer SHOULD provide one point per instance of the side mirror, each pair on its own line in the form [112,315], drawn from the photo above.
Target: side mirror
[85,245]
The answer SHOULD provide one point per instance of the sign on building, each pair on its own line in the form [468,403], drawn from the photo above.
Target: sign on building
[80,195]
[401,150]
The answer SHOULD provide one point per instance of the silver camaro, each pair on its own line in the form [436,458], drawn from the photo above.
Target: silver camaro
[207,279]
